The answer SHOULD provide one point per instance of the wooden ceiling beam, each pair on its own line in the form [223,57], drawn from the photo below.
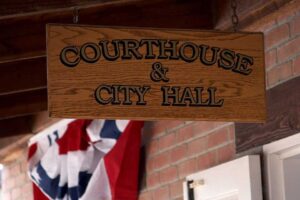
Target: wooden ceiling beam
[25,36]
[30,124]
[17,7]
[23,75]
[24,103]
[15,126]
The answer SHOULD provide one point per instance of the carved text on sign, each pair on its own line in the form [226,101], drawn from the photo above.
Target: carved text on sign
[168,49]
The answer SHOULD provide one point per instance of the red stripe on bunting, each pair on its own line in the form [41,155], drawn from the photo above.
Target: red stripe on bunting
[75,138]
[122,163]
[38,194]
[31,151]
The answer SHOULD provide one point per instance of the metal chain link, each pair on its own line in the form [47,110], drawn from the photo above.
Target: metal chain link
[234,17]
[75,15]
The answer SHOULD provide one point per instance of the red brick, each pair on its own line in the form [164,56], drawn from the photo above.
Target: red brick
[145,195]
[286,71]
[197,146]
[226,153]
[217,137]
[162,159]
[203,126]
[185,133]
[179,153]
[218,124]
[279,73]
[152,147]
[273,76]
[16,193]
[9,184]
[150,165]
[159,125]
[261,25]
[21,179]
[277,36]
[24,166]
[167,175]
[270,58]
[290,49]
[179,198]
[16,169]
[207,160]
[187,167]
[27,189]
[286,13]
[296,66]
[231,131]
[176,189]
[161,193]
[152,180]
[167,141]
[295,27]
[173,124]
[162,126]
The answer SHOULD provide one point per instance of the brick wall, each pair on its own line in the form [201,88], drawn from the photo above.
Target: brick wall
[282,43]
[176,149]
[15,182]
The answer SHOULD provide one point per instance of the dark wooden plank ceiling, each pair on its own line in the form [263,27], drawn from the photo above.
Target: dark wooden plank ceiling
[23,92]
[23,75]
[9,7]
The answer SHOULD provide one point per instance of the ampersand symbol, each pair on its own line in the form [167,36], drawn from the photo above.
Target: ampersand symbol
[159,72]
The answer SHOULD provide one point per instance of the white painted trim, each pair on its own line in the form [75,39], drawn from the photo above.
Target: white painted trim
[274,155]
[282,144]
[240,178]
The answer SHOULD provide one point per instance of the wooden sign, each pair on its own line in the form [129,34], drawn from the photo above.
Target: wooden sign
[151,74]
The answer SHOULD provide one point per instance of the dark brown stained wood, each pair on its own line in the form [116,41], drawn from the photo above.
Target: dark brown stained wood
[12,7]
[283,113]
[15,126]
[23,75]
[248,11]
[29,124]
[24,103]
[25,36]
[72,90]
[40,121]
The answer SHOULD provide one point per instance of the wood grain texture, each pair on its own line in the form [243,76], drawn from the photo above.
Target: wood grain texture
[23,75]
[283,120]
[24,103]
[15,7]
[29,124]
[15,126]
[71,90]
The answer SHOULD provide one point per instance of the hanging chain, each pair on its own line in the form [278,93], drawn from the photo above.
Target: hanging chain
[234,17]
[75,15]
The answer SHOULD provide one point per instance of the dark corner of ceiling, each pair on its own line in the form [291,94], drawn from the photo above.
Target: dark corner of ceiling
[218,10]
